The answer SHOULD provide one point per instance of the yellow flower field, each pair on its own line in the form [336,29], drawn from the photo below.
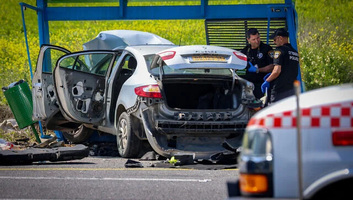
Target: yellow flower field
[324,35]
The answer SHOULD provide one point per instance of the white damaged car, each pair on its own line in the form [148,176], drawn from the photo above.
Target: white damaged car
[143,88]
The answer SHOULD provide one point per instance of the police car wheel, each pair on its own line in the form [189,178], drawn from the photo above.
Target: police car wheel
[127,142]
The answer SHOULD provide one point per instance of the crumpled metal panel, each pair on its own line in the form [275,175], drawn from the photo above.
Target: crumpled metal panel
[109,40]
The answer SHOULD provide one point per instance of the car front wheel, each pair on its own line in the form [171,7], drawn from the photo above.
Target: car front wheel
[128,143]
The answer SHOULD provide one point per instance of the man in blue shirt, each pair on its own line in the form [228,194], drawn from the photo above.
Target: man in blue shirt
[260,60]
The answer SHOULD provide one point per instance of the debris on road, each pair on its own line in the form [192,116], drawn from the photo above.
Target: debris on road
[10,132]
[5,145]
[199,164]
[183,162]
[133,164]
[47,143]
[172,160]
[152,155]
[104,149]
[50,150]
[9,125]
[179,160]
[27,156]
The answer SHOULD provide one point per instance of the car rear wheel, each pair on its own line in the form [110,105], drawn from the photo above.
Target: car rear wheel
[79,135]
[128,143]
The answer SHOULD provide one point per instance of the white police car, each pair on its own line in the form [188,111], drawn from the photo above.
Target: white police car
[268,163]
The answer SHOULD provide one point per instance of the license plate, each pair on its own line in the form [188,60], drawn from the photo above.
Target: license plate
[208,58]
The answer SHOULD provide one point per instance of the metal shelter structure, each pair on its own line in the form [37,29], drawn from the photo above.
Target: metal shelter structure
[225,25]
[266,12]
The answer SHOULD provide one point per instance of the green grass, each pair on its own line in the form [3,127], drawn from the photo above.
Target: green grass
[324,36]
[326,42]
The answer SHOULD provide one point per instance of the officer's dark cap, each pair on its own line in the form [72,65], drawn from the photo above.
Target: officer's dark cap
[280,32]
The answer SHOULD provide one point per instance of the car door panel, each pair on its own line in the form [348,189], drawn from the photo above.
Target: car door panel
[80,85]
[43,94]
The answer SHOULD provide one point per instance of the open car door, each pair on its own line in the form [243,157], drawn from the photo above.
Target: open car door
[80,80]
[44,98]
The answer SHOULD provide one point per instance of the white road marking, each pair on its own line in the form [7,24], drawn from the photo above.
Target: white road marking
[89,169]
[105,179]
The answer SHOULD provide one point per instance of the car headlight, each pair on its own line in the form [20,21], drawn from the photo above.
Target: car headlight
[255,163]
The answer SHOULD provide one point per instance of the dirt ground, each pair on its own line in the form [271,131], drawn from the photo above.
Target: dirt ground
[12,133]
[5,113]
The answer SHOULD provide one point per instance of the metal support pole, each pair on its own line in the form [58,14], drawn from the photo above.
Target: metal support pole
[204,4]
[43,26]
[23,7]
[292,28]
[269,10]
[299,140]
[43,29]
[36,134]
[122,8]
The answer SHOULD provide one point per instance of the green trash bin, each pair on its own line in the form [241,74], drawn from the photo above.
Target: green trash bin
[19,98]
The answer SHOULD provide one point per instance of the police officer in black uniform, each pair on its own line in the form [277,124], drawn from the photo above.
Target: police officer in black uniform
[259,60]
[285,71]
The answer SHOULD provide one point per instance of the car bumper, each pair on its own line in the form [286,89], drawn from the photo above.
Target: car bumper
[207,136]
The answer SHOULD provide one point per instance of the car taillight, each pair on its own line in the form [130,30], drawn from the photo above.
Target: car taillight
[342,137]
[240,56]
[253,183]
[167,55]
[150,91]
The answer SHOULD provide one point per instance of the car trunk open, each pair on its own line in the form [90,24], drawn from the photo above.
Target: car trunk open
[201,93]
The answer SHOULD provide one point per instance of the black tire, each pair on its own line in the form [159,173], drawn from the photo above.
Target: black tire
[127,142]
[79,135]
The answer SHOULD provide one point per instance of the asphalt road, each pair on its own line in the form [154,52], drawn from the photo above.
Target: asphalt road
[107,178]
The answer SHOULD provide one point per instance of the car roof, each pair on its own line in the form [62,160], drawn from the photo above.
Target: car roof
[108,40]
